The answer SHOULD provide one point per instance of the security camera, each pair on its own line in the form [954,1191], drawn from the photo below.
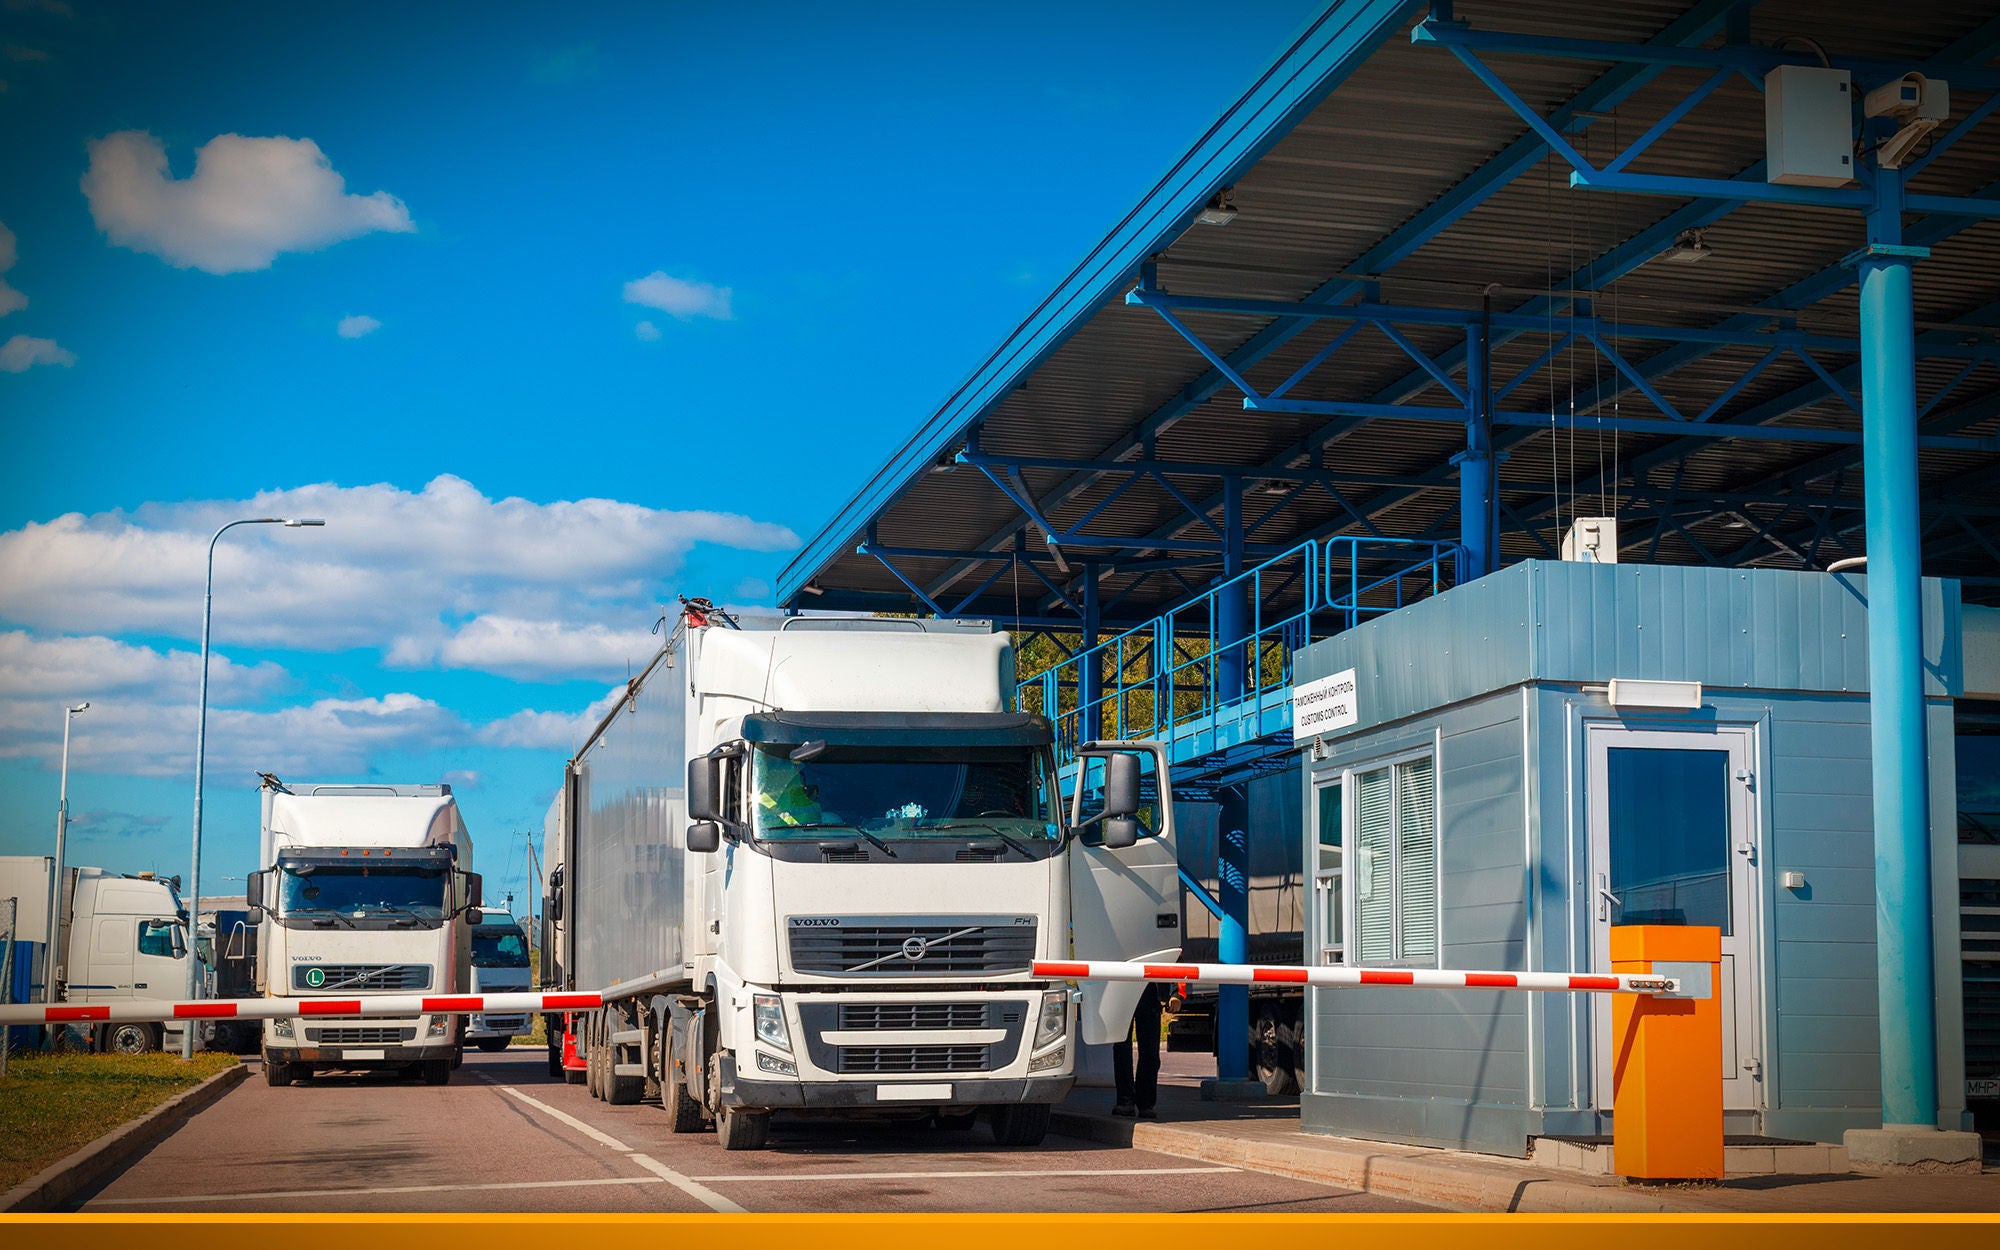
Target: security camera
[1921,104]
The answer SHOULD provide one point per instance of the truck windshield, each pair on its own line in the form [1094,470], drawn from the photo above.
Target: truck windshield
[499,950]
[903,792]
[410,891]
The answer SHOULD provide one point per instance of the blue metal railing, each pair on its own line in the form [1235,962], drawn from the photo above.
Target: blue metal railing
[1193,674]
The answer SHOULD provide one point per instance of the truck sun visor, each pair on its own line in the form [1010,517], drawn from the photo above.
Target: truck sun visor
[890,729]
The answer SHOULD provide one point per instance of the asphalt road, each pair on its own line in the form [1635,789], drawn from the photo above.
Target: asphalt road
[504,1137]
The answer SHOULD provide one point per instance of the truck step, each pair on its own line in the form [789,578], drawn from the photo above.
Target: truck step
[628,1037]
[628,1069]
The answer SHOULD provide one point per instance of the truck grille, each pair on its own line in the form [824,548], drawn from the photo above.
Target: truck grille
[914,1015]
[361,1036]
[345,977]
[945,946]
[890,1059]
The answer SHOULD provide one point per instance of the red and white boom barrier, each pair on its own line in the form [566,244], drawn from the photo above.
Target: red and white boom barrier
[369,1006]
[1419,978]
[373,1006]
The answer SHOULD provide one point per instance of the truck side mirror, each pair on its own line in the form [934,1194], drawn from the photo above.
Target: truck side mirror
[704,836]
[1120,832]
[704,795]
[253,895]
[473,896]
[1121,787]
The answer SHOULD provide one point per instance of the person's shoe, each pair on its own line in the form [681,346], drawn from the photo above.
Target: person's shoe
[1125,1109]
[1147,1113]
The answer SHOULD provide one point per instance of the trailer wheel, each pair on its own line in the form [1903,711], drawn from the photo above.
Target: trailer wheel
[593,1062]
[1273,1053]
[684,1114]
[131,1039]
[437,1071]
[1021,1123]
[738,1129]
[555,1058]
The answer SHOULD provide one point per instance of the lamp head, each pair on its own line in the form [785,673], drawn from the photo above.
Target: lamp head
[81,707]
[296,522]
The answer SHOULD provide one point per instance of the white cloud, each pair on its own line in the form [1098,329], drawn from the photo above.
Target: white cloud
[22,353]
[463,779]
[61,671]
[248,200]
[548,731]
[680,297]
[441,576]
[11,300]
[646,331]
[355,327]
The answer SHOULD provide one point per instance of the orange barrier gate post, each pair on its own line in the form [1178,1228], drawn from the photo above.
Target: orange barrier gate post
[1667,1055]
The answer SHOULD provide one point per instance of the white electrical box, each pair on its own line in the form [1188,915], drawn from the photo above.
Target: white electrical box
[1808,126]
[1592,540]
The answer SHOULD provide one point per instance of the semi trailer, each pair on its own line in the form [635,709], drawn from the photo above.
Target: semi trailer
[812,865]
[363,889]
[118,937]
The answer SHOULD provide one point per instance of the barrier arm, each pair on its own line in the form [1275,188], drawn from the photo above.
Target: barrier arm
[1415,978]
[366,1007]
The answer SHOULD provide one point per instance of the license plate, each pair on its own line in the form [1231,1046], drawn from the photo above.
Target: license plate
[364,1054]
[913,1093]
[1981,1088]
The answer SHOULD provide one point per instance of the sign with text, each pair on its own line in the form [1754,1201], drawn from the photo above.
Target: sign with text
[1327,704]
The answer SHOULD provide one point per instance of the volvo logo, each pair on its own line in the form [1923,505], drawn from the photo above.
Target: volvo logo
[914,948]
[815,922]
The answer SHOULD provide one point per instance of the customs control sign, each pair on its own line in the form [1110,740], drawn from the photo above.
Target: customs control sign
[1325,705]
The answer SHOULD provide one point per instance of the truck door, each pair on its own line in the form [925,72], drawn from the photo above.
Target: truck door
[1124,905]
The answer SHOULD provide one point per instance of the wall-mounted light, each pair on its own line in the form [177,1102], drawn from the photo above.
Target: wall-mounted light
[1675,696]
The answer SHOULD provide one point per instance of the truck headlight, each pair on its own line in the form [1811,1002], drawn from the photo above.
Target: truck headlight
[440,1025]
[1055,1018]
[283,1028]
[773,1064]
[770,1014]
[1048,1062]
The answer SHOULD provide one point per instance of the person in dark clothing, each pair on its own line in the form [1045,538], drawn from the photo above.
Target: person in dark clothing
[1139,1091]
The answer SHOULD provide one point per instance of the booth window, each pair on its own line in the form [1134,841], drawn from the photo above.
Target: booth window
[1396,862]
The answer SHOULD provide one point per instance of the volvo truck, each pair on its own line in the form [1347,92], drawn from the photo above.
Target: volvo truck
[812,865]
[118,937]
[362,889]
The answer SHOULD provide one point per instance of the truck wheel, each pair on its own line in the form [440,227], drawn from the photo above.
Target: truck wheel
[555,1061]
[277,1075]
[684,1114]
[1273,1053]
[620,1091]
[492,1045]
[131,1039]
[594,1064]
[738,1129]
[1021,1123]
[437,1071]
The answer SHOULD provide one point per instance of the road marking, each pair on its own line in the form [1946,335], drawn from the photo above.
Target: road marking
[686,1184]
[384,1189]
[908,1176]
[700,1193]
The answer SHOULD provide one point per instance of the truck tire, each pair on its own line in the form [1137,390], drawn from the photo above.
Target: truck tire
[131,1039]
[620,1091]
[555,1060]
[277,1075]
[684,1114]
[1021,1123]
[739,1129]
[1272,1052]
[492,1045]
[437,1071]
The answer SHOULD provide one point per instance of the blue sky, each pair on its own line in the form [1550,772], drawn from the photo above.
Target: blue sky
[551,311]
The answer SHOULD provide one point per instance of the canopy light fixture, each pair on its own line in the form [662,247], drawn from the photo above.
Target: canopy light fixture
[1690,246]
[1679,696]
[1219,211]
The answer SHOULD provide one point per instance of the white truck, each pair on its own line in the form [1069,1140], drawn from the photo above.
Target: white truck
[841,911]
[363,889]
[121,937]
[499,965]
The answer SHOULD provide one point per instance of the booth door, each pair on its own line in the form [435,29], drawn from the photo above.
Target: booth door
[1673,842]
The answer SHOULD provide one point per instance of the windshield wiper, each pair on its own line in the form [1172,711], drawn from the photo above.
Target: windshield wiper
[322,917]
[875,841]
[383,908]
[995,830]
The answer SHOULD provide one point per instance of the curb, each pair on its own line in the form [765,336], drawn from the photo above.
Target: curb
[1384,1172]
[56,1184]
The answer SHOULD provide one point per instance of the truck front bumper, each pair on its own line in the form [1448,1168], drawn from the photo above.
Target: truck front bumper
[966,1091]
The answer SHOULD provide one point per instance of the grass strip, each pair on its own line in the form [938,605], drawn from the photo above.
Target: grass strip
[51,1105]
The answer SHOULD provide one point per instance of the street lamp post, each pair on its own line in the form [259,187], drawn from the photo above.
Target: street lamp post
[200,756]
[54,944]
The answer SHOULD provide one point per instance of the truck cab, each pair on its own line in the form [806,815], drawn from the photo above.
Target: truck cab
[126,938]
[500,965]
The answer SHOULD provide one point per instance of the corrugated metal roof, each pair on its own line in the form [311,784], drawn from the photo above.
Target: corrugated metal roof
[1351,134]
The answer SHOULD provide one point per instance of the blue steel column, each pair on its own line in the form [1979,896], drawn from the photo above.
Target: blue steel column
[1478,502]
[1908,1020]
[1090,668]
[1232,830]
